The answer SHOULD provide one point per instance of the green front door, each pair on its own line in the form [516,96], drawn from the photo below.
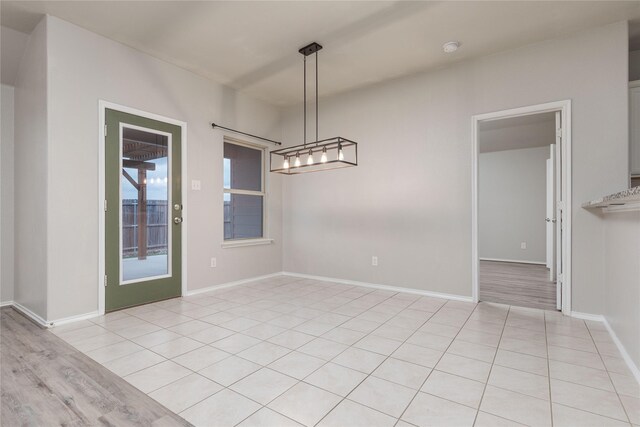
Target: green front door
[143,210]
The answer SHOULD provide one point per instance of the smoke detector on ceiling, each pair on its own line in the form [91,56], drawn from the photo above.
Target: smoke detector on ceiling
[450,47]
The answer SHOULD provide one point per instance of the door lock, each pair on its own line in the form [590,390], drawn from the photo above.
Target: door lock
[177,207]
[177,220]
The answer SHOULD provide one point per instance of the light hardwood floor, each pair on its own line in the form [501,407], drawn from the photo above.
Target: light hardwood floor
[46,382]
[525,285]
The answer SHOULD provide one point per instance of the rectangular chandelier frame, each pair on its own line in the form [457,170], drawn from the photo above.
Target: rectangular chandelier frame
[331,148]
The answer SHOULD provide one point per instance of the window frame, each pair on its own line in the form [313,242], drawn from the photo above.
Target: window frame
[249,241]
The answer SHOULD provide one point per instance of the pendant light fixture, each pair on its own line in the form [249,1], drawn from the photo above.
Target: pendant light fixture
[336,152]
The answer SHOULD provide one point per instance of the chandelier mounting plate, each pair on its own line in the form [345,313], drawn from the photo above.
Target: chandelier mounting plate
[310,49]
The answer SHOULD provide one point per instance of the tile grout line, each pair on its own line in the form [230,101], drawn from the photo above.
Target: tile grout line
[624,409]
[276,298]
[587,386]
[338,325]
[546,341]
[263,367]
[343,398]
[181,336]
[484,389]
[386,358]
[320,367]
[238,380]
[439,359]
[199,374]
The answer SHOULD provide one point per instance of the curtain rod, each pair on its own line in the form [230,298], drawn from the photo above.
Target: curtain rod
[213,125]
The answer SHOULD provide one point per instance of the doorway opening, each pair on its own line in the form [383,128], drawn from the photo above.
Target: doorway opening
[521,220]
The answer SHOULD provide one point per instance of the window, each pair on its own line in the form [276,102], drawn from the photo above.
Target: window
[243,191]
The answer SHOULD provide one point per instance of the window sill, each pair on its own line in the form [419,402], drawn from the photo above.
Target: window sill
[247,242]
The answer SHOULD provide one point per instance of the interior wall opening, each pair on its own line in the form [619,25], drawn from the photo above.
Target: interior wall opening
[519,246]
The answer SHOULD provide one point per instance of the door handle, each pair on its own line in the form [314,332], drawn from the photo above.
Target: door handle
[550,220]
[177,220]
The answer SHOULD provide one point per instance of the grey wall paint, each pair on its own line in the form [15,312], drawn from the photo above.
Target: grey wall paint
[31,175]
[6,190]
[409,201]
[85,68]
[622,278]
[512,204]
[535,130]
[12,44]
[634,65]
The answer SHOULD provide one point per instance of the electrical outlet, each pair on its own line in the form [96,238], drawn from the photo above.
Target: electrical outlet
[214,263]
[523,245]
[374,261]
[195,185]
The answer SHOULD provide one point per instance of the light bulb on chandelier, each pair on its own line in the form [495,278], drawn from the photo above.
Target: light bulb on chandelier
[323,158]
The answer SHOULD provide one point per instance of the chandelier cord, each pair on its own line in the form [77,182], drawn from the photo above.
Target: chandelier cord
[316,96]
[305,101]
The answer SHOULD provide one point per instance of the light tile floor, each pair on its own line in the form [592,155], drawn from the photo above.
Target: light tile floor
[287,352]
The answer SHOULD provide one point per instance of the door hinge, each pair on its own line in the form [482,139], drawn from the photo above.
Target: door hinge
[105,131]
[561,205]
[105,205]
[559,132]
[105,280]
[560,279]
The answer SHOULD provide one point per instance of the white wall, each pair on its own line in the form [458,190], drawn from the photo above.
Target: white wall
[409,200]
[31,175]
[84,68]
[6,190]
[622,278]
[512,204]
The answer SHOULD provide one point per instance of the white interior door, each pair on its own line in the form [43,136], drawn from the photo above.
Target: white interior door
[551,213]
[550,239]
[558,217]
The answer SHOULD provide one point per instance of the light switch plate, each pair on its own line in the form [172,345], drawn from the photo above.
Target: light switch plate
[195,185]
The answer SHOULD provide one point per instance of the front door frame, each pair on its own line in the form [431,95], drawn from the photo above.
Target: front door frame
[564,107]
[102,107]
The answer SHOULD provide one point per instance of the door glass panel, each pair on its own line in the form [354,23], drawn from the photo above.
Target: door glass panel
[145,196]
[242,216]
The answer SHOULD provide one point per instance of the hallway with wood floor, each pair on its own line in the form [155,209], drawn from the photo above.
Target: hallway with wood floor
[524,285]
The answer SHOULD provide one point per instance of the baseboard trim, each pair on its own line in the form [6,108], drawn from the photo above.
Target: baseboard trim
[31,315]
[513,260]
[231,284]
[72,319]
[587,316]
[627,358]
[48,323]
[382,287]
